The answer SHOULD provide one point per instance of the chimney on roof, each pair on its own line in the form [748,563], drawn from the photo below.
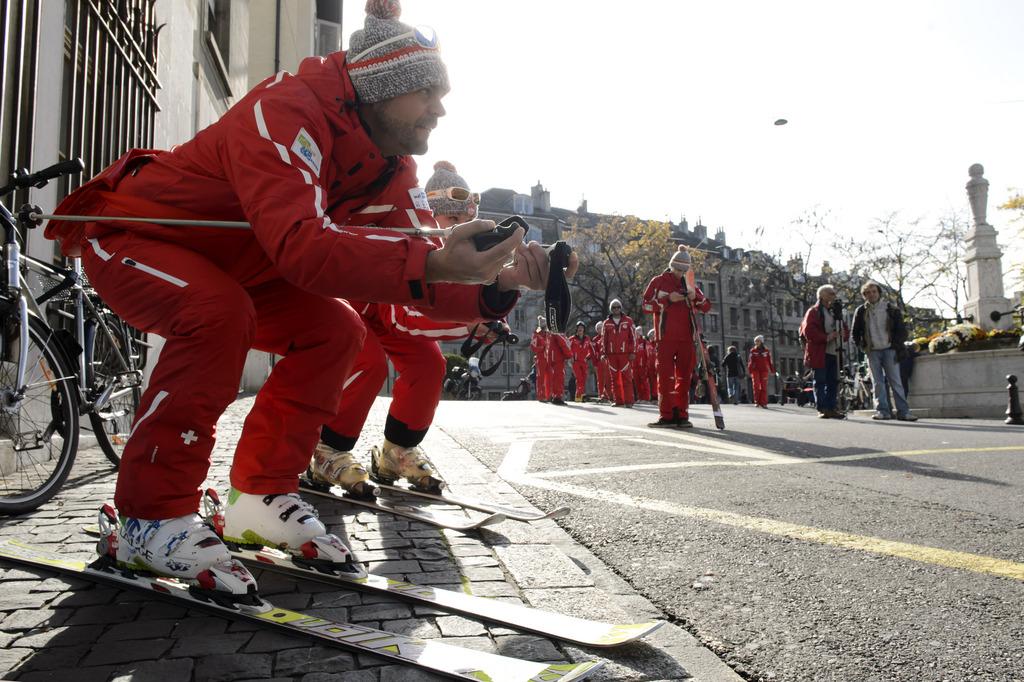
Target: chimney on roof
[720,236]
[541,198]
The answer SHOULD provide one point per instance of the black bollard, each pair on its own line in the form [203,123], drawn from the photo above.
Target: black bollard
[1013,412]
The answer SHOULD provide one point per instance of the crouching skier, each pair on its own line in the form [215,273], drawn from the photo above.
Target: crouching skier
[408,336]
[298,157]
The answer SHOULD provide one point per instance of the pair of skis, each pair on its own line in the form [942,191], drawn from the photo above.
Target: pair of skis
[391,503]
[432,655]
[701,350]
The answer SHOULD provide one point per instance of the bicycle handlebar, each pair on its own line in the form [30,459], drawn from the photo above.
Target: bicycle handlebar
[21,178]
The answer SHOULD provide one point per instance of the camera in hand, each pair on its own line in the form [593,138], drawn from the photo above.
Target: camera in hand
[837,308]
[502,231]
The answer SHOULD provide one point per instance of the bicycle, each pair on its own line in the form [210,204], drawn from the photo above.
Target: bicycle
[110,355]
[38,399]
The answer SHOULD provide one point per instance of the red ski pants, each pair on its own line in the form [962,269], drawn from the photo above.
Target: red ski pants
[652,377]
[556,379]
[675,370]
[643,389]
[543,380]
[604,381]
[421,368]
[210,322]
[579,370]
[760,382]
[620,371]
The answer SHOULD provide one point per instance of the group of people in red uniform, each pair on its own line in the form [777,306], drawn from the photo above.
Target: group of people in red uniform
[630,366]
[621,356]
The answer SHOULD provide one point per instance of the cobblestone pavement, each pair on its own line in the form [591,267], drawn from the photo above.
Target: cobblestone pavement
[60,628]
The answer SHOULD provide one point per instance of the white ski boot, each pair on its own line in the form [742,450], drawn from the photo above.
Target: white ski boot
[391,462]
[286,522]
[184,548]
[334,467]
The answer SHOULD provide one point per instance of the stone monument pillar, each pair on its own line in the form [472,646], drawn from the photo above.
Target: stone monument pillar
[983,259]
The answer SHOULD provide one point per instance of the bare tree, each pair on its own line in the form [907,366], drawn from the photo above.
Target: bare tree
[898,254]
[618,257]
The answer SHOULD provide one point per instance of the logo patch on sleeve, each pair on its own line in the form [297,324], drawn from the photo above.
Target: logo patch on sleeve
[305,147]
[419,199]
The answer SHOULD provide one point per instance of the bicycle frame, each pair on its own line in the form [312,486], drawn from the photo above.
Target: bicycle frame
[83,309]
[11,400]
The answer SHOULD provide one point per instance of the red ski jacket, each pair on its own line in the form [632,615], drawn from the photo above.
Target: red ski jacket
[292,159]
[812,330]
[618,338]
[539,345]
[652,356]
[581,350]
[760,361]
[641,356]
[558,349]
[596,349]
[672,320]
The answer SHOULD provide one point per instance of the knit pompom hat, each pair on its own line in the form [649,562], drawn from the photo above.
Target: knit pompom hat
[387,58]
[680,259]
[443,178]
[615,302]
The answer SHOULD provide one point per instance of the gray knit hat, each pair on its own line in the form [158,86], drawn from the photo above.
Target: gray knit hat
[444,178]
[680,259]
[388,58]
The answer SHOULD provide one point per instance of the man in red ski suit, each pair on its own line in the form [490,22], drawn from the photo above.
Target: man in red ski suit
[759,366]
[643,389]
[539,345]
[668,297]
[619,343]
[652,363]
[300,157]
[558,352]
[581,352]
[408,337]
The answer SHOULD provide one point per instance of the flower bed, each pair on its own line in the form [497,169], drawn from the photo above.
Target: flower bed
[968,337]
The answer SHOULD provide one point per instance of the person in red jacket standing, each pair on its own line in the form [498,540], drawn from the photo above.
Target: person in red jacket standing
[759,366]
[539,345]
[408,338]
[619,343]
[308,160]
[673,306]
[652,363]
[558,352]
[643,389]
[581,351]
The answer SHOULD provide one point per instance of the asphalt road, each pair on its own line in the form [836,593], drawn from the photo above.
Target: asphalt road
[795,548]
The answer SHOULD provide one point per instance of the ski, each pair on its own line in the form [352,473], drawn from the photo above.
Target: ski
[704,361]
[431,655]
[477,505]
[449,521]
[581,631]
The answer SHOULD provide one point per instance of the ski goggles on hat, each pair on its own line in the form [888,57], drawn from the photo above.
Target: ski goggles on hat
[424,36]
[454,193]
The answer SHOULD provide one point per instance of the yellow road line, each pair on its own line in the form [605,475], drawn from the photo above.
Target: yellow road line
[517,460]
[565,473]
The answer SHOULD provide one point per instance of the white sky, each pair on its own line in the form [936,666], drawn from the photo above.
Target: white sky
[661,109]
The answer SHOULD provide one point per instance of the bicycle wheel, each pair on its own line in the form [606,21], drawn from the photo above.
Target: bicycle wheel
[38,437]
[113,371]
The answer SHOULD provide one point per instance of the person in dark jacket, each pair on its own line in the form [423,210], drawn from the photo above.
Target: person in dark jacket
[734,373]
[878,330]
